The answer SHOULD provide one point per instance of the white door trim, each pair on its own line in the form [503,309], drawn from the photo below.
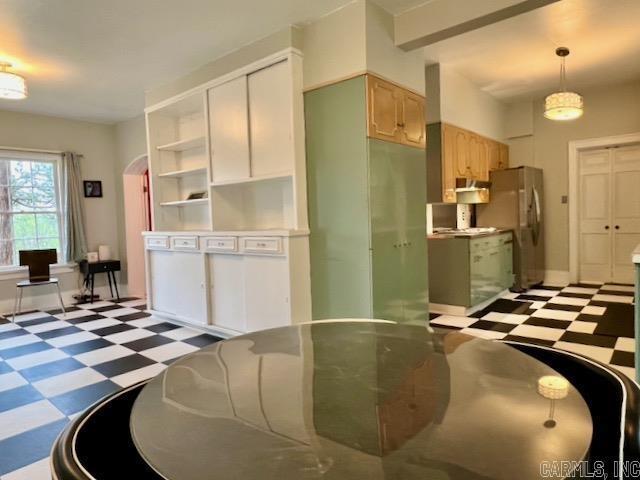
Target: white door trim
[575,146]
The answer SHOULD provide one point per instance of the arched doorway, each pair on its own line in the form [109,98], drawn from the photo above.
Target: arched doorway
[137,217]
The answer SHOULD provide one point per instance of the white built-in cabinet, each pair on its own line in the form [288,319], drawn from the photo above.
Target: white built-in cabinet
[238,253]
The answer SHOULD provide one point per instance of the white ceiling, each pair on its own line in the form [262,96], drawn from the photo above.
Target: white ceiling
[515,59]
[93,59]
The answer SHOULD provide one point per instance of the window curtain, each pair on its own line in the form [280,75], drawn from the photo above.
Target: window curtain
[73,208]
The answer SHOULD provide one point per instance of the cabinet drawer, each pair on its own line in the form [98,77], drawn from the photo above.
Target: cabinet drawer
[184,243]
[220,244]
[159,242]
[269,245]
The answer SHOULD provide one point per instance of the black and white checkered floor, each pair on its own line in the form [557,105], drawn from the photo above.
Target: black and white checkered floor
[592,320]
[54,365]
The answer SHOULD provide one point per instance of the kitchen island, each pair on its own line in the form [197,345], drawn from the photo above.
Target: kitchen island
[468,270]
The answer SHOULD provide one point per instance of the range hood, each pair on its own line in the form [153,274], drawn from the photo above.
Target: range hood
[472,191]
[471,185]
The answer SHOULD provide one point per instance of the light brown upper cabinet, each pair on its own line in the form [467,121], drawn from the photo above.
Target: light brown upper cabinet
[466,154]
[395,114]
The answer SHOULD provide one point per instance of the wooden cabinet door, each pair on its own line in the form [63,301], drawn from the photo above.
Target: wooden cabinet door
[494,155]
[270,121]
[479,157]
[503,161]
[448,164]
[462,153]
[229,130]
[383,106]
[413,126]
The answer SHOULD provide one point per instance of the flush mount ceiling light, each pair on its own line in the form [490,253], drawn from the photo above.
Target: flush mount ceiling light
[563,105]
[12,85]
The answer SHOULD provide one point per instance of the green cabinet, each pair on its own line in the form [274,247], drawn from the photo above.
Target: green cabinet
[468,271]
[367,202]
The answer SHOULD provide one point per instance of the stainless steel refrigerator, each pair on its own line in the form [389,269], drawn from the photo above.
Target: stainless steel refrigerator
[516,203]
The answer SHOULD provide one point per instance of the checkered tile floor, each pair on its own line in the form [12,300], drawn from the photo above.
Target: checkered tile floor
[54,365]
[593,320]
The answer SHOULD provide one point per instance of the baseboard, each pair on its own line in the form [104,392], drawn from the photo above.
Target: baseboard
[461,311]
[557,278]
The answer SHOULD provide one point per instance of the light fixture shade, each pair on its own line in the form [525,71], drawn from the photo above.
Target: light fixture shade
[563,106]
[12,86]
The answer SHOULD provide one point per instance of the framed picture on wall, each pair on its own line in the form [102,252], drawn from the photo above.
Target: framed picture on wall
[92,188]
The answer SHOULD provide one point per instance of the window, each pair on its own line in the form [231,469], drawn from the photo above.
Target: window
[30,213]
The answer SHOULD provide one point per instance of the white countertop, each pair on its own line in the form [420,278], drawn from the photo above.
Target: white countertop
[635,255]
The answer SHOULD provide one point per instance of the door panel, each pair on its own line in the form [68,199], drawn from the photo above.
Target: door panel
[266,288]
[229,130]
[461,154]
[226,274]
[414,126]
[270,120]
[625,210]
[384,115]
[595,212]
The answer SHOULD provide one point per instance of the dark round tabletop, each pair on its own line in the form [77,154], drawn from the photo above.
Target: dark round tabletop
[358,400]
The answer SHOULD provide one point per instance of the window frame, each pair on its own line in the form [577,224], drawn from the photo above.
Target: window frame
[8,154]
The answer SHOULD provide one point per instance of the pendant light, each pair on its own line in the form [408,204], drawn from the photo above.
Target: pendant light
[563,105]
[12,85]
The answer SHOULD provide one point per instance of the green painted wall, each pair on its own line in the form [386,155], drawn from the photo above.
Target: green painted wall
[367,201]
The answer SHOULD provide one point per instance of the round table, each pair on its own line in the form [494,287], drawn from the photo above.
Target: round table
[356,400]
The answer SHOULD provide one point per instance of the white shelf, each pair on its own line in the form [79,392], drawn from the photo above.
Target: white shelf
[185,203]
[251,179]
[182,145]
[183,173]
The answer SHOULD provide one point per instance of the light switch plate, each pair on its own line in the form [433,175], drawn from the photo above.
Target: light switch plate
[564,199]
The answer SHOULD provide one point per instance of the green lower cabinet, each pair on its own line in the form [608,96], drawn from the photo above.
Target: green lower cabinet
[468,271]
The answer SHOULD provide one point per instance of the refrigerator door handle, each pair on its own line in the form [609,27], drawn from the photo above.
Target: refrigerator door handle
[537,215]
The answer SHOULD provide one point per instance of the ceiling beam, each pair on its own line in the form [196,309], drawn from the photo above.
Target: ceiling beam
[438,20]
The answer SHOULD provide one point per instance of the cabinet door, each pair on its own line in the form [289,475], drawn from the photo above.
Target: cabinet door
[226,281]
[384,106]
[478,157]
[229,130]
[162,271]
[189,286]
[504,156]
[177,284]
[270,120]
[494,155]
[413,123]
[449,164]
[462,154]
[266,283]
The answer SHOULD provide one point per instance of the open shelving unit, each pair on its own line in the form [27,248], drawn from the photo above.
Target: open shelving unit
[179,164]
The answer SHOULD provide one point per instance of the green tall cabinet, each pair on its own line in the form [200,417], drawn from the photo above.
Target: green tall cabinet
[367,202]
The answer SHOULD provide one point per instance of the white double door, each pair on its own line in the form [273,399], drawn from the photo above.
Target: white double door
[609,213]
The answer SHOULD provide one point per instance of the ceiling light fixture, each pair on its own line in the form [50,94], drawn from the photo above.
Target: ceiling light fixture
[12,85]
[563,105]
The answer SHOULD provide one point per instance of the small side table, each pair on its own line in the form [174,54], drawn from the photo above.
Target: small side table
[89,269]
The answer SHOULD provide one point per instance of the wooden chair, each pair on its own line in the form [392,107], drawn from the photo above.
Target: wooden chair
[38,262]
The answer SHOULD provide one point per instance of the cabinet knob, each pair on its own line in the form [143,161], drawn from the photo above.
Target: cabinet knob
[606,227]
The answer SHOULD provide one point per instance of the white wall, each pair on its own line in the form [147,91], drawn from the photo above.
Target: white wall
[130,142]
[463,104]
[96,142]
[610,110]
